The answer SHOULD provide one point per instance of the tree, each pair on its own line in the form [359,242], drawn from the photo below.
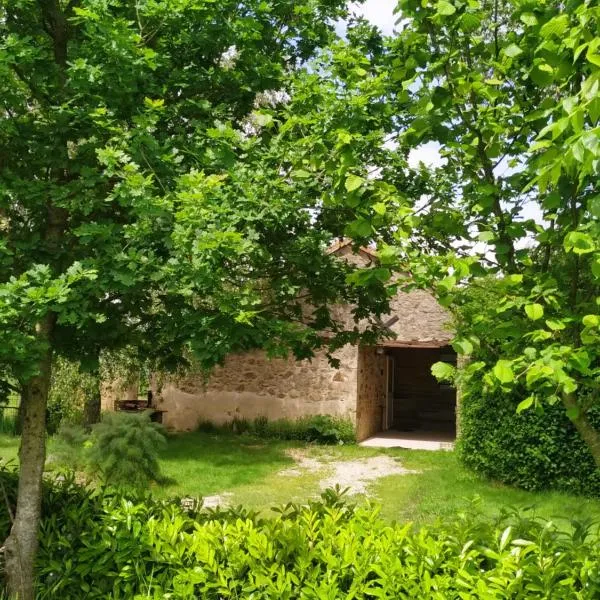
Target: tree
[509,91]
[144,200]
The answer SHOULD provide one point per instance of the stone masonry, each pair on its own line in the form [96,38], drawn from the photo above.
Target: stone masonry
[250,385]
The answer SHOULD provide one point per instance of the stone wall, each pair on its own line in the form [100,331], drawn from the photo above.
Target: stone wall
[370,402]
[119,389]
[250,385]
[420,318]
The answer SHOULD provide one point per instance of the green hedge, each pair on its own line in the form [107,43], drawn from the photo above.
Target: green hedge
[531,450]
[96,544]
[321,429]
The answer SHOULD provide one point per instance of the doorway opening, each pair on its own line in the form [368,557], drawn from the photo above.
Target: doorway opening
[416,404]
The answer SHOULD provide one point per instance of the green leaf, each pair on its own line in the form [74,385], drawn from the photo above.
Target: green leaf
[573,412]
[445,8]
[555,27]
[463,346]
[579,243]
[301,174]
[512,50]
[591,321]
[361,228]
[379,208]
[443,371]
[555,325]
[534,311]
[525,404]
[541,74]
[529,19]
[353,182]
[503,371]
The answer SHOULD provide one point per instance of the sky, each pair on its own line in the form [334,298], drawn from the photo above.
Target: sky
[379,12]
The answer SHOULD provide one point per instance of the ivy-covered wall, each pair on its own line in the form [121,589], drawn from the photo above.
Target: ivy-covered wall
[530,450]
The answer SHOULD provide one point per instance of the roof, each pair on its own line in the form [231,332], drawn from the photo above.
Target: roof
[342,243]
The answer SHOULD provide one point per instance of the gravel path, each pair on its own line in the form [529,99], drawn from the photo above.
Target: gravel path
[355,475]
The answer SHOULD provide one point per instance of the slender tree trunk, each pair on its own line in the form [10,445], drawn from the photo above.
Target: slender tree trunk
[21,545]
[91,409]
[590,435]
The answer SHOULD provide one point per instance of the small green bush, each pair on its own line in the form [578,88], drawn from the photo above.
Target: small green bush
[98,544]
[124,449]
[69,448]
[532,450]
[9,420]
[321,429]
[68,392]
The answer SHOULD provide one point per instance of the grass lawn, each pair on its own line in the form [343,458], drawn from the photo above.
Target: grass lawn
[245,470]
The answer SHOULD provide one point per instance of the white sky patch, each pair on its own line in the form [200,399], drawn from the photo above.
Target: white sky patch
[428,154]
[378,12]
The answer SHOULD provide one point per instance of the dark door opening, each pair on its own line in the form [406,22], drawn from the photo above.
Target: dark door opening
[416,401]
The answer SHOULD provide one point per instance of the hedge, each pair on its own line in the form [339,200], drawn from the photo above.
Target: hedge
[532,450]
[98,544]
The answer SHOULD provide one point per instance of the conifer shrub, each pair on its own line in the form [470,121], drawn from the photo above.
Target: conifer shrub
[124,449]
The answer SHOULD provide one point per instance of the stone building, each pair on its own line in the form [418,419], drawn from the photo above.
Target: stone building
[388,386]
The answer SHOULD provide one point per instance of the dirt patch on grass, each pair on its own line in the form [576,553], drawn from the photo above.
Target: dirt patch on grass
[354,475]
[216,500]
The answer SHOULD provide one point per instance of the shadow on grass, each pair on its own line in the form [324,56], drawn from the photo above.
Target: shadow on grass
[201,463]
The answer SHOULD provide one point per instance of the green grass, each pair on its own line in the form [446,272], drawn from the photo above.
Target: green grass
[248,470]
[201,464]
[9,447]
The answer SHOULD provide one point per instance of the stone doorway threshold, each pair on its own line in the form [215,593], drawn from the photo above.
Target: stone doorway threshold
[414,440]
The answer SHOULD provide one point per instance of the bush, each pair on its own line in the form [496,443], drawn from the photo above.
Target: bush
[69,448]
[68,392]
[124,449]
[98,544]
[531,450]
[9,420]
[321,429]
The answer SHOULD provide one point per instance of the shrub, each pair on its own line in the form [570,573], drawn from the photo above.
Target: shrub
[68,448]
[321,429]
[124,449]
[95,543]
[70,387]
[9,420]
[532,450]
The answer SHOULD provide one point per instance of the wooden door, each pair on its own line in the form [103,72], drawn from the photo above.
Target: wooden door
[388,415]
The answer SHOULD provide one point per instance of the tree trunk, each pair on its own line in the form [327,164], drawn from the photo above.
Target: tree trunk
[91,409]
[21,545]
[587,431]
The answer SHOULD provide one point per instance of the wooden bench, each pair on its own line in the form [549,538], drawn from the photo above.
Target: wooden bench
[135,406]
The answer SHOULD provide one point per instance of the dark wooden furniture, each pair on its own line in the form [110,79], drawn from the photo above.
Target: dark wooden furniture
[135,406]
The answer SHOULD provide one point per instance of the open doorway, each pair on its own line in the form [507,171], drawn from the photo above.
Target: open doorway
[416,403]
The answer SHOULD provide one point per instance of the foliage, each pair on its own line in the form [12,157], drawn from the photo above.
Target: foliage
[323,429]
[107,545]
[509,93]
[9,420]
[124,449]
[535,450]
[68,392]
[150,197]
[69,448]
